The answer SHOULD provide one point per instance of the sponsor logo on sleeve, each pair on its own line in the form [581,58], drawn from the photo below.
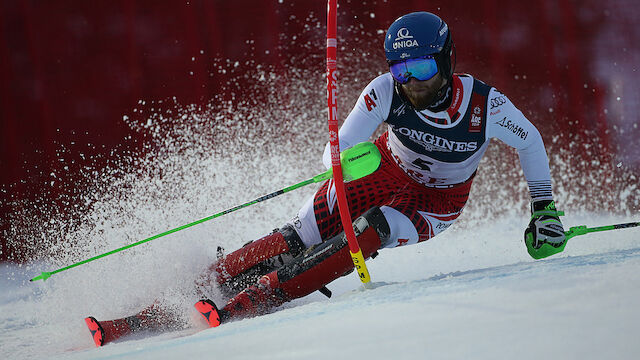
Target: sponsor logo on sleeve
[498,101]
[513,127]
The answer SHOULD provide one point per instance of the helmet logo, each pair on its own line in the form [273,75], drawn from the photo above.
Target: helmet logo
[404,39]
[444,30]
[403,34]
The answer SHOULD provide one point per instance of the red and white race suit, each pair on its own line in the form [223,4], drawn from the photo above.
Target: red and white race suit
[428,160]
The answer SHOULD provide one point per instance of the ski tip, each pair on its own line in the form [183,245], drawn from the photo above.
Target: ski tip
[97,333]
[209,311]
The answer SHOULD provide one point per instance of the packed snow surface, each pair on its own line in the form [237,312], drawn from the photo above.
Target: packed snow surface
[466,294]
[472,292]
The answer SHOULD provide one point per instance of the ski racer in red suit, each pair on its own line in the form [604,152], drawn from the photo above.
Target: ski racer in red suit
[438,127]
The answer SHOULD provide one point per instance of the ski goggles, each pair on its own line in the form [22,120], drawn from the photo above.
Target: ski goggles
[423,68]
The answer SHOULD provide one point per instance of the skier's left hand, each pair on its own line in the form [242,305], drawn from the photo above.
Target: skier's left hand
[545,234]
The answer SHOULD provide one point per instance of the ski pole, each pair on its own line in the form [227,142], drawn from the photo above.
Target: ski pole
[357,162]
[583,229]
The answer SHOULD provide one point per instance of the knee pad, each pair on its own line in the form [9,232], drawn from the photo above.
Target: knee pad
[374,218]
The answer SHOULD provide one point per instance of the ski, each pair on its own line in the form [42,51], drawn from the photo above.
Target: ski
[209,311]
[107,331]
[150,319]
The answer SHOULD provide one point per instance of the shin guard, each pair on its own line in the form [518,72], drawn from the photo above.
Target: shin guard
[311,271]
[246,265]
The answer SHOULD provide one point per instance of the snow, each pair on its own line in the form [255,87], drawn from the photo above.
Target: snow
[470,293]
[454,297]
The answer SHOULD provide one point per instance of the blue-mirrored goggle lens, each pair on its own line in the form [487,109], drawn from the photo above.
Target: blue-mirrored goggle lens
[421,68]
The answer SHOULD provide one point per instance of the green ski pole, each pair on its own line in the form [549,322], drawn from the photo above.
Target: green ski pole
[583,229]
[357,162]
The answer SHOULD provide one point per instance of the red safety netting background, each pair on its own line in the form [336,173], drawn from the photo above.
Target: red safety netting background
[70,70]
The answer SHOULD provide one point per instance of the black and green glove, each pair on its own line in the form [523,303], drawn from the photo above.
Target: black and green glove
[545,234]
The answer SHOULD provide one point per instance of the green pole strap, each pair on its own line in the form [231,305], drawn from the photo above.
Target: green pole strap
[357,162]
[582,229]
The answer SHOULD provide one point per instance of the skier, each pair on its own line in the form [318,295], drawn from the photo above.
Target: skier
[439,124]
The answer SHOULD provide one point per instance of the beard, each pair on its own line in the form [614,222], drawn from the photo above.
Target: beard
[422,100]
[424,94]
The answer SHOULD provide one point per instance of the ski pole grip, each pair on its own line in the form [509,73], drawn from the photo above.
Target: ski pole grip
[575,231]
[359,161]
[579,230]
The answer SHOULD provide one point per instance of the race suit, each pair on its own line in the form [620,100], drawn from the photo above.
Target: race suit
[428,160]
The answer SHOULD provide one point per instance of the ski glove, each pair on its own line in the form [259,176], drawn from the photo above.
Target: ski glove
[545,234]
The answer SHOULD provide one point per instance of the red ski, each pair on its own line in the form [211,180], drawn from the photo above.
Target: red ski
[151,318]
[107,331]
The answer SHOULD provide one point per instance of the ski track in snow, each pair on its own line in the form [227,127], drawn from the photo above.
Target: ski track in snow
[453,297]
